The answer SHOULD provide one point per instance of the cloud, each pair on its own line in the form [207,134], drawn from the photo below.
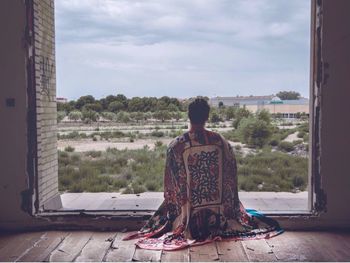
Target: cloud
[180,48]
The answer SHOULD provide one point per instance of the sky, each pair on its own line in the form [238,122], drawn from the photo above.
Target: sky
[182,48]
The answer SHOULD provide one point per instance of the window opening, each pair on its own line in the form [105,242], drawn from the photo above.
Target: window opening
[113,142]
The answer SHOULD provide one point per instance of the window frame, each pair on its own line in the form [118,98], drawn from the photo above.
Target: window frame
[316,195]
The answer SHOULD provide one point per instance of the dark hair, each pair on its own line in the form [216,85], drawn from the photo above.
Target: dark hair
[198,111]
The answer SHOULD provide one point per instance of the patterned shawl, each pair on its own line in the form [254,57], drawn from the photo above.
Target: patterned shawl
[201,202]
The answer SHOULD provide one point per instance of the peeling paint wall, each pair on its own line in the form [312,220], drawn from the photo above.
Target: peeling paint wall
[13,109]
[335,107]
[331,74]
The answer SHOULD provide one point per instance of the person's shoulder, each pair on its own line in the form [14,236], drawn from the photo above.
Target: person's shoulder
[214,136]
[178,141]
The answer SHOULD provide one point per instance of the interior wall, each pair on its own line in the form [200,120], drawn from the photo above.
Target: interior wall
[334,98]
[13,109]
[335,107]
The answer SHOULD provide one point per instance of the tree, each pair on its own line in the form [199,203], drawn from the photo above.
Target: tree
[255,132]
[67,107]
[90,116]
[240,114]
[214,117]
[136,104]
[221,104]
[84,100]
[230,113]
[147,115]
[288,95]
[115,106]
[109,115]
[123,116]
[138,116]
[177,115]
[75,115]
[264,115]
[61,115]
[162,115]
[96,106]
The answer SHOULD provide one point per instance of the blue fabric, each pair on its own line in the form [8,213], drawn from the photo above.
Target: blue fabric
[254,212]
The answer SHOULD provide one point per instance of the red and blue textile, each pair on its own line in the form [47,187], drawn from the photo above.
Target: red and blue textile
[201,202]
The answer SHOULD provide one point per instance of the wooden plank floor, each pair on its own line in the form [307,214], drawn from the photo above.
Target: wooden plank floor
[90,246]
[262,201]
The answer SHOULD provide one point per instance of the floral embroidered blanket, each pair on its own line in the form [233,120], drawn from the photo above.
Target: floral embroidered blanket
[201,202]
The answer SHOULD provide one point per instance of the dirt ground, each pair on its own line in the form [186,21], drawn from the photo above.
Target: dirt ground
[85,145]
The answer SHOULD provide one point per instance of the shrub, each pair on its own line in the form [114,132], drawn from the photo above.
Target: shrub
[286,146]
[158,144]
[238,147]
[255,132]
[298,181]
[128,190]
[275,140]
[296,142]
[241,113]
[157,134]
[152,185]
[75,115]
[69,149]
[94,154]
[301,134]
[137,189]
[276,171]
[120,183]
[264,115]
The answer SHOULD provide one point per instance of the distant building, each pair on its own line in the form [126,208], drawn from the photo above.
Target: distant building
[61,100]
[276,106]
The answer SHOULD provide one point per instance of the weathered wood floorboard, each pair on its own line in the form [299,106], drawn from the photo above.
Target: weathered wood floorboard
[206,253]
[176,256]
[18,245]
[121,251]
[258,250]
[97,247]
[43,248]
[231,251]
[310,246]
[108,246]
[71,246]
[147,255]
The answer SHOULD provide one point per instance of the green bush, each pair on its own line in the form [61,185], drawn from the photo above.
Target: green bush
[158,144]
[275,140]
[157,134]
[136,171]
[275,171]
[94,154]
[128,190]
[286,146]
[120,183]
[238,147]
[152,186]
[69,149]
[255,132]
[137,189]
[301,134]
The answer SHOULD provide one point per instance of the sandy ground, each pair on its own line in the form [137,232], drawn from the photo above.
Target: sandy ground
[86,145]
[292,137]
